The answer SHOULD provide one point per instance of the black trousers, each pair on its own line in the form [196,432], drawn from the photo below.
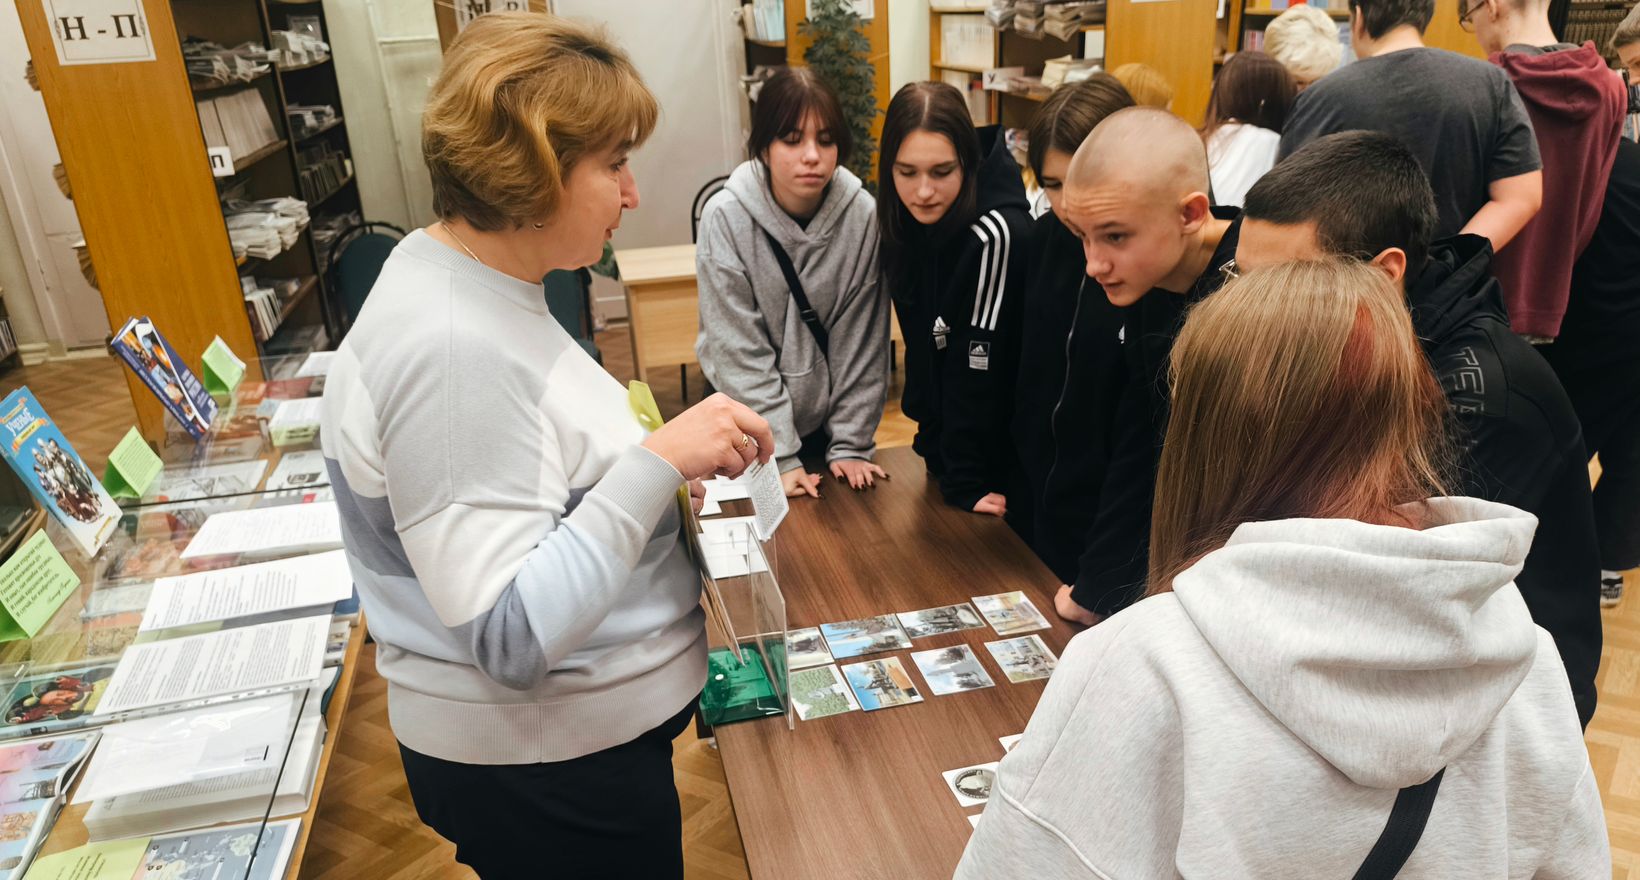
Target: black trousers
[1607,399]
[610,814]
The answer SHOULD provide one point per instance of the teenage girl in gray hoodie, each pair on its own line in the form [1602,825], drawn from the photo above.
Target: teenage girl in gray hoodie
[821,382]
[1321,634]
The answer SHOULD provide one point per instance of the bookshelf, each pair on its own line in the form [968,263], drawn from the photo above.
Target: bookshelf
[1247,22]
[1175,38]
[152,210]
[311,163]
[10,357]
[149,210]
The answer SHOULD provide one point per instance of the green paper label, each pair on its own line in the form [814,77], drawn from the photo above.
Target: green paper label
[223,369]
[33,584]
[106,860]
[132,467]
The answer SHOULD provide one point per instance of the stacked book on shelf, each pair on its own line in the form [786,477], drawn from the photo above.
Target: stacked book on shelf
[324,169]
[764,20]
[297,49]
[307,119]
[8,341]
[1060,19]
[211,66]
[238,120]
[1065,20]
[265,298]
[266,228]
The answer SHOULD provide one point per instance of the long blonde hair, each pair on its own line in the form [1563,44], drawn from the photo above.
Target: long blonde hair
[1298,391]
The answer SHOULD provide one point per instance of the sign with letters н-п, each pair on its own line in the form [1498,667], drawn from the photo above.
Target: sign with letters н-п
[98,31]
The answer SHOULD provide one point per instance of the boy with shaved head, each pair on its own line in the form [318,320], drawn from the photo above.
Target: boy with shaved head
[1136,196]
[1576,104]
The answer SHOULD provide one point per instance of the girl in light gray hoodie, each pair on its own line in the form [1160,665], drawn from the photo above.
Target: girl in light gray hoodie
[1321,633]
[820,382]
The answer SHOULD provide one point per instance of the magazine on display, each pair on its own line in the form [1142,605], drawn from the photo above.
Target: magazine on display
[152,358]
[35,775]
[54,473]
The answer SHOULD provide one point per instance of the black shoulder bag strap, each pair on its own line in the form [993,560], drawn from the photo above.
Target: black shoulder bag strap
[1406,824]
[804,310]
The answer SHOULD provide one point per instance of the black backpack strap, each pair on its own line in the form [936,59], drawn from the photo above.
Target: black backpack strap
[1406,824]
[804,310]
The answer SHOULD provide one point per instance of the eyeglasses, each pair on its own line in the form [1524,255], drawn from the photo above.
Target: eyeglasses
[1466,17]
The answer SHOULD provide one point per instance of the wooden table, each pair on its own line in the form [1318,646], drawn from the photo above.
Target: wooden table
[860,795]
[663,312]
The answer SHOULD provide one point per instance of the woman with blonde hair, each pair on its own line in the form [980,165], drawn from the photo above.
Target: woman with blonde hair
[511,528]
[1325,638]
[1305,40]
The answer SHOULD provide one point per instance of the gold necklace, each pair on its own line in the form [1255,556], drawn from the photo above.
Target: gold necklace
[452,233]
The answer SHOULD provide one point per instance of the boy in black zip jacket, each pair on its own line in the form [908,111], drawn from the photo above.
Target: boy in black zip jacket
[1070,369]
[1136,197]
[956,290]
[1518,442]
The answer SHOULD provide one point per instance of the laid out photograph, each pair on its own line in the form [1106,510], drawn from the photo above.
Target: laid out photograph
[819,439]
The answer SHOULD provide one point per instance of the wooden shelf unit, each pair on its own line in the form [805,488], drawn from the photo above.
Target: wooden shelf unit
[1176,38]
[151,211]
[1444,32]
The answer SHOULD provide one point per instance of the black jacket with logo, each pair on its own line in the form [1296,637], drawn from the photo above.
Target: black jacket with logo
[1111,573]
[958,299]
[1070,379]
[1519,443]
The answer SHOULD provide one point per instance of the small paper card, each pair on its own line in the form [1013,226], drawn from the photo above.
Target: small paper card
[33,584]
[769,504]
[132,467]
[223,369]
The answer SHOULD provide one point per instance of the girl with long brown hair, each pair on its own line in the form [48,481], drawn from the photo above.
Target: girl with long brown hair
[1328,641]
[955,227]
[1252,95]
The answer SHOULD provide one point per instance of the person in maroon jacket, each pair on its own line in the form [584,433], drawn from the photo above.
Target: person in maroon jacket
[1576,104]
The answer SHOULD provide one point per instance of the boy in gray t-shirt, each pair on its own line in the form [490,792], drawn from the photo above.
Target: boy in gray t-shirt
[1460,116]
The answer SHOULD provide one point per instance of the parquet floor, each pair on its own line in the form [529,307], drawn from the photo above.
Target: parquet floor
[367,828]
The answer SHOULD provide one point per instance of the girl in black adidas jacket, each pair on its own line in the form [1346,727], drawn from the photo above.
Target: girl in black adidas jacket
[955,228]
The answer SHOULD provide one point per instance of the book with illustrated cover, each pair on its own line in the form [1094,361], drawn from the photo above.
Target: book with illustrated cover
[36,775]
[253,851]
[55,474]
[159,367]
[54,701]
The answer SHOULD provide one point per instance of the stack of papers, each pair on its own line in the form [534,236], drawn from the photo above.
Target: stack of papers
[265,228]
[268,531]
[1064,20]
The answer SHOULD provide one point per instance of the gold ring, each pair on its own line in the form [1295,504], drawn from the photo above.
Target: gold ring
[745,440]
